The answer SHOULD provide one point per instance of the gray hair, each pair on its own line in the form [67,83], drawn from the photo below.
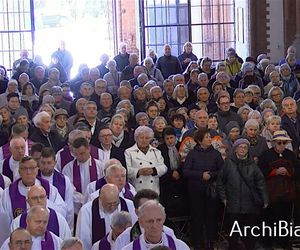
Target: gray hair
[143,130]
[121,219]
[110,162]
[121,103]
[148,59]
[14,139]
[273,89]
[267,103]
[31,211]
[111,169]
[74,134]
[241,109]
[150,203]
[39,117]
[159,118]
[273,118]
[111,63]
[69,242]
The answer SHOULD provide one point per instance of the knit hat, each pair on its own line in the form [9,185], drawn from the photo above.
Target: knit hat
[281,135]
[230,125]
[239,142]
[252,122]
[60,112]
[19,112]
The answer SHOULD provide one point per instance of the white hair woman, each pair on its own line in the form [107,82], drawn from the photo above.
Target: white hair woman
[145,163]
[153,71]
[112,77]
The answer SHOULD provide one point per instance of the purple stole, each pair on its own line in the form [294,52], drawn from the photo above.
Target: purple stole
[59,182]
[98,223]
[76,174]
[137,245]
[6,169]
[5,151]
[18,201]
[127,194]
[47,243]
[104,244]
[65,156]
[52,226]
[94,152]
[2,184]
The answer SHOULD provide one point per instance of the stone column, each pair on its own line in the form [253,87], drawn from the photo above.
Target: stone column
[296,42]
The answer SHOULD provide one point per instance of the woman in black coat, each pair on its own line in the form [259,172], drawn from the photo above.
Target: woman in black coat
[201,168]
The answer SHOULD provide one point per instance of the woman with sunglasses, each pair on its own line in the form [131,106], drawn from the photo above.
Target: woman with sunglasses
[281,170]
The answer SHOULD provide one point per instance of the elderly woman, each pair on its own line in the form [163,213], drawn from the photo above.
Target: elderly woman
[12,87]
[126,104]
[29,99]
[121,138]
[112,77]
[180,97]
[145,163]
[290,84]
[281,170]
[241,188]
[205,65]
[258,143]
[153,71]
[201,168]
[276,95]
[43,134]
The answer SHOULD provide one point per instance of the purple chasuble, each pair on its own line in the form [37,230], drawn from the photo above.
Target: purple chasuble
[6,169]
[98,223]
[76,174]
[5,151]
[18,201]
[47,243]
[137,244]
[104,244]
[65,156]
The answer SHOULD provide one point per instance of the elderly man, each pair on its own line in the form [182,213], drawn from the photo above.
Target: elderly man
[114,174]
[39,77]
[102,67]
[59,101]
[168,64]
[43,134]
[122,59]
[127,72]
[152,217]
[86,91]
[61,182]
[106,112]
[52,81]
[90,114]
[37,221]
[19,239]
[10,165]
[119,222]
[131,233]
[72,243]
[290,122]
[94,218]
[79,104]
[13,201]
[83,169]
[100,87]
[57,224]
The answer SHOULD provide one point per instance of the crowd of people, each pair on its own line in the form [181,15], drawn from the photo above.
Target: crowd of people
[106,159]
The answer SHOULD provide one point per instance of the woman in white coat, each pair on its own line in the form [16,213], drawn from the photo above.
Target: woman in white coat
[145,164]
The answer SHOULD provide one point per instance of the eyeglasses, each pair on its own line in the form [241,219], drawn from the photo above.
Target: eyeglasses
[36,198]
[107,135]
[29,169]
[20,243]
[281,142]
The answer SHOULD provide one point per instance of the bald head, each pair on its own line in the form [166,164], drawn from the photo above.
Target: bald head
[20,239]
[37,196]
[109,198]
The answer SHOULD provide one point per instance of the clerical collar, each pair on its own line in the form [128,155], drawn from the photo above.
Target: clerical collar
[154,244]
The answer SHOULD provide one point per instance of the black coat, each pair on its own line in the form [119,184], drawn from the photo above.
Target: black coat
[232,189]
[293,130]
[117,153]
[54,137]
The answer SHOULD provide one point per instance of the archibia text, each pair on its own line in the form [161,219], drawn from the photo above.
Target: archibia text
[278,229]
